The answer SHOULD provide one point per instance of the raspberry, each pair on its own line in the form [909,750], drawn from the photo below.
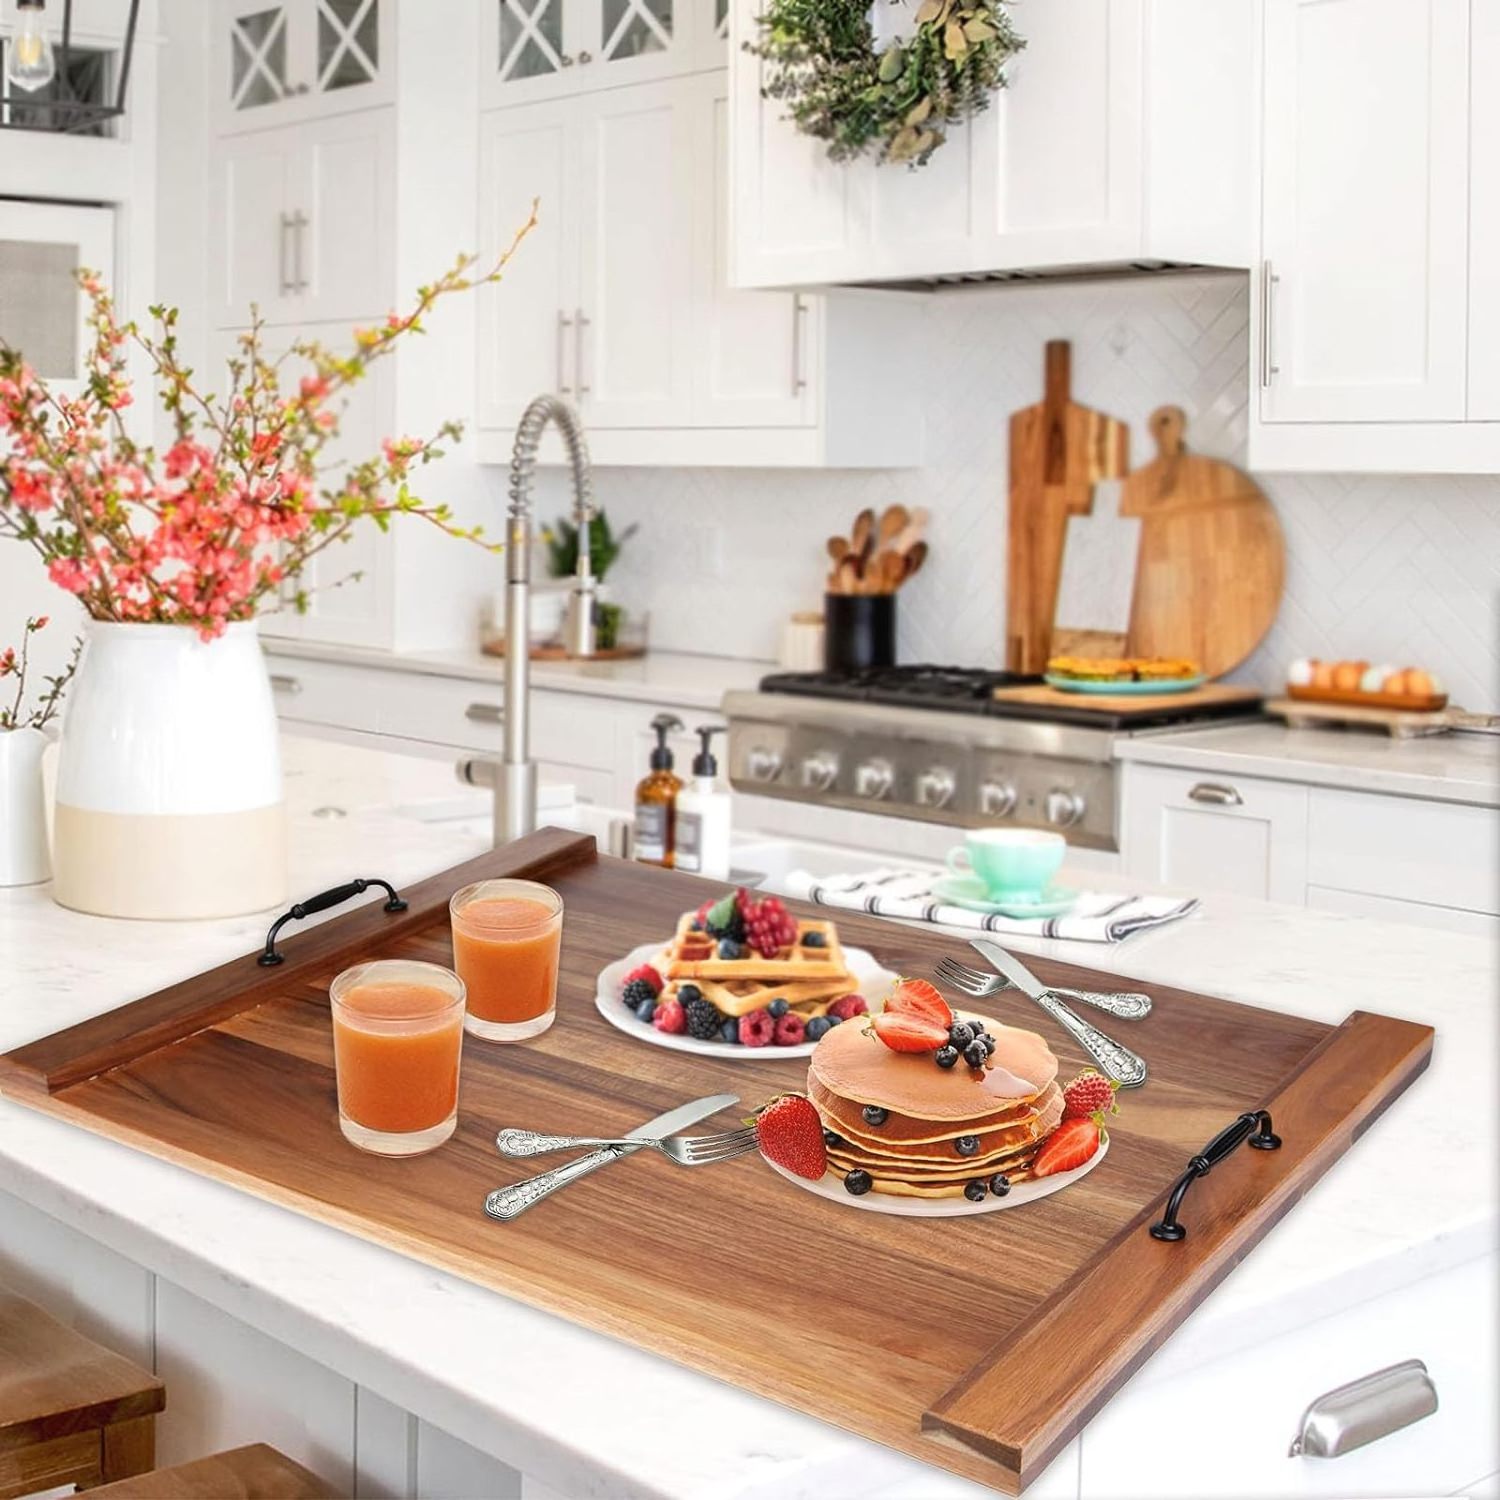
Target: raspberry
[670,1018]
[769,927]
[850,1005]
[649,975]
[757,1028]
[791,1030]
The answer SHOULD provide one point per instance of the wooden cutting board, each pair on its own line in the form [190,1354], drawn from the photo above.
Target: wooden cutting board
[1131,705]
[1058,452]
[848,1315]
[1211,564]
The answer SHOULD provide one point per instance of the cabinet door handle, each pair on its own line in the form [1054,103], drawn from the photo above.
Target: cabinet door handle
[485,713]
[579,324]
[300,221]
[1268,281]
[1215,793]
[585,58]
[799,312]
[282,683]
[1365,1410]
[564,323]
[284,285]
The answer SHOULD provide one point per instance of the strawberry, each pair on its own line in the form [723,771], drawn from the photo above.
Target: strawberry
[1069,1146]
[903,1033]
[915,997]
[649,974]
[791,1030]
[1088,1094]
[847,1006]
[790,1133]
[670,1017]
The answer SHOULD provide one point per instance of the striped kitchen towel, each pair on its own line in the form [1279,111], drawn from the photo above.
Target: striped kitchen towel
[1096,916]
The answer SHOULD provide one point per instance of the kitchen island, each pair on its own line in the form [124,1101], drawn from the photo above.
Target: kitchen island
[392,1378]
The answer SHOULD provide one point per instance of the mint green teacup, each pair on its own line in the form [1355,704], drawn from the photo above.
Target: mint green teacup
[1009,862]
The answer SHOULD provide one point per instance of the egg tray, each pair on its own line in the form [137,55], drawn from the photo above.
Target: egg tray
[1353,698]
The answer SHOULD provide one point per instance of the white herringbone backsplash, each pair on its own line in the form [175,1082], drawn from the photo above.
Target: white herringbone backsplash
[1388,567]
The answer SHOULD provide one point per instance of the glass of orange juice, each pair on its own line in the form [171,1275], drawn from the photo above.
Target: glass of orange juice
[398,1031]
[506,935]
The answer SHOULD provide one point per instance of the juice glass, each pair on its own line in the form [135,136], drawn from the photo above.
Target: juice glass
[506,935]
[397,1036]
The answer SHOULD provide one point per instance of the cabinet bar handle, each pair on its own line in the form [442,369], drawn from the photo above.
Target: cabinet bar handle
[1268,281]
[485,713]
[1216,794]
[300,222]
[579,324]
[799,312]
[281,276]
[564,322]
[281,683]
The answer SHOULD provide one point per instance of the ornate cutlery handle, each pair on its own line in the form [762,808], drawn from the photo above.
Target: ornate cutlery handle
[529,1143]
[509,1202]
[1117,1062]
[1128,1005]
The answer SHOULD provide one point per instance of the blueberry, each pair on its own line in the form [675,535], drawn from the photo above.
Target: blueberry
[858,1181]
[814,940]
[730,1031]
[728,948]
[975,1054]
[945,1057]
[833,1138]
[645,1010]
[979,1027]
[696,925]
[875,1115]
[989,1045]
[833,1020]
[966,1145]
[999,1184]
[975,1192]
[687,992]
[778,1008]
[818,1028]
[960,1033]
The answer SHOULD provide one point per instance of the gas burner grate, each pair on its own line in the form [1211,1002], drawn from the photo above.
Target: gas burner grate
[954,689]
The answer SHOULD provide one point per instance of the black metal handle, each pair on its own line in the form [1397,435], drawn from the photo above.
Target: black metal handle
[321,902]
[1254,1127]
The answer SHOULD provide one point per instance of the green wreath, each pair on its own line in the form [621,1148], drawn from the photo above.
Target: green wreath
[823,64]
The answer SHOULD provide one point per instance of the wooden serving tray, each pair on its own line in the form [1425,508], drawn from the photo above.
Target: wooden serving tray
[1134,705]
[1399,723]
[1411,703]
[850,1316]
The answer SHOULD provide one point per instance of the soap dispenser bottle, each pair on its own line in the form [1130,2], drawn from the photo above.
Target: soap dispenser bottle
[703,815]
[656,800]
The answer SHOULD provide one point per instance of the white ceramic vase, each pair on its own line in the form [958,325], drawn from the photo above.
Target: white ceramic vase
[23,808]
[169,799]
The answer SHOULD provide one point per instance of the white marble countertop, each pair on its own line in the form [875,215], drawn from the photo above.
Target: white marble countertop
[1447,767]
[670,678]
[491,1371]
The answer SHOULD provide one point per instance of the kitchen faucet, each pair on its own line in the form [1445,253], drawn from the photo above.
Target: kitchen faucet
[513,778]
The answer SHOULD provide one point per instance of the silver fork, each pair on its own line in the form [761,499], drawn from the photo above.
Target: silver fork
[1116,1062]
[1125,1005]
[685,1150]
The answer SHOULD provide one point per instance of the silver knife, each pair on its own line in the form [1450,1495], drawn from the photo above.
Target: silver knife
[508,1202]
[1115,1061]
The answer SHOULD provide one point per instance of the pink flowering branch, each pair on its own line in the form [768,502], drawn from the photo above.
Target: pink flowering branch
[241,502]
[15,664]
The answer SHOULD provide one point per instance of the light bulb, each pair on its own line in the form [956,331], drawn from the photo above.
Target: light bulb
[29,63]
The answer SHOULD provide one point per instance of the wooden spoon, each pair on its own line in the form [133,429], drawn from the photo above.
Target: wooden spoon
[890,568]
[838,547]
[849,574]
[893,521]
[862,536]
[914,559]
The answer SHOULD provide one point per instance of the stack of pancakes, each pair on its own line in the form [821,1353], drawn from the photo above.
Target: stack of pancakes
[808,976]
[1010,1107]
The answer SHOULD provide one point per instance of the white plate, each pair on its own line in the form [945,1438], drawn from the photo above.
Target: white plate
[831,1186]
[968,893]
[870,980]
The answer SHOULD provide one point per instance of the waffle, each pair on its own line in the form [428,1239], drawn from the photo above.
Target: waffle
[694,955]
[738,997]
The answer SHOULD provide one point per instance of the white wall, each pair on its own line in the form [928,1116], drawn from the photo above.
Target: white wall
[1386,567]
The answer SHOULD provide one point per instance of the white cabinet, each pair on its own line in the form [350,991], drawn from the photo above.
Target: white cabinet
[1364,210]
[276,61]
[1123,136]
[1484,213]
[301,221]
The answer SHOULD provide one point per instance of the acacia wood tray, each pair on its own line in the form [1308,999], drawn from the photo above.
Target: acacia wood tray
[846,1315]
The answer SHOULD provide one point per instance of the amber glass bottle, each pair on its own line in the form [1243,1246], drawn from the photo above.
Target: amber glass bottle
[656,800]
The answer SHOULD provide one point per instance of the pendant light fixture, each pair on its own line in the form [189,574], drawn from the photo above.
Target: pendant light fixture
[29,60]
[32,62]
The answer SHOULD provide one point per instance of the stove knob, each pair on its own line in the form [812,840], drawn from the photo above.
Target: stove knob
[1064,808]
[873,779]
[935,787]
[820,771]
[997,799]
[763,764]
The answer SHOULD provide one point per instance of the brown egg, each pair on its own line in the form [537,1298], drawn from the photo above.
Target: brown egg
[1418,683]
[1395,683]
[1346,675]
[1322,674]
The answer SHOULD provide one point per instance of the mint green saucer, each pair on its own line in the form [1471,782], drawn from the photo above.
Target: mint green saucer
[971,895]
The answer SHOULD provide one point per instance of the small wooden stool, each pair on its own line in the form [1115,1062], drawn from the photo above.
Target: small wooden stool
[254,1473]
[71,1411]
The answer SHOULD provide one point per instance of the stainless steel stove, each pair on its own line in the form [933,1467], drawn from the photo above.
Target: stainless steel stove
[934,743]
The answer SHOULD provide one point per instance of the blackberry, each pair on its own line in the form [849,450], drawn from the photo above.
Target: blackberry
[703,1019]
[636,991]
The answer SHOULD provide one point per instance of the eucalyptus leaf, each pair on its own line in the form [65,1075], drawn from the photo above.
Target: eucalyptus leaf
[919,111]
[891,61]
[955,44]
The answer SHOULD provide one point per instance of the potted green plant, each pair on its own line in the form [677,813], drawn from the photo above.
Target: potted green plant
[604,548]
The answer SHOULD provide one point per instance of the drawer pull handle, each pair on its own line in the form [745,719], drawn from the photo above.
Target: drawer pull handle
[321,902]
[485,713]
[281,683]
[1217,794]
[1372,1407]
[1254,1127]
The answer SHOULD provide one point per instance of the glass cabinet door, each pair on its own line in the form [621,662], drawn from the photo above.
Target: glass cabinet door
[531,49]
[348,44]
[260,56]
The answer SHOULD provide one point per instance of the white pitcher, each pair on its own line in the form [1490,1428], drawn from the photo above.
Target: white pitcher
[23,808]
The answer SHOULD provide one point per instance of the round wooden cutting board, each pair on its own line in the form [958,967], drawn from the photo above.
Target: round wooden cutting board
[1212,562]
